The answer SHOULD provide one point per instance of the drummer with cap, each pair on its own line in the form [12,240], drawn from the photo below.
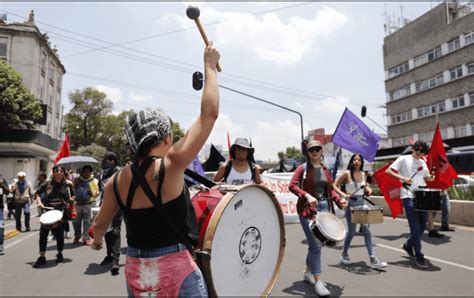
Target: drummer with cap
[413,172]
[241,169]
[312,184]
[59,194]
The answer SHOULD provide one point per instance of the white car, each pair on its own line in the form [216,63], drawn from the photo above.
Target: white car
[464,182]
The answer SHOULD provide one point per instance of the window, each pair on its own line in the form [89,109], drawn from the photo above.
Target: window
[453,45]
[428,56]
[403,117]
[468,38]
[470,68]
[51,73]
[458,102]
[455,72]
[426,137]
[444,133]
[460,131]
[431,109]
[43,63]
[398,70]
[60,82]
[402,92]
[3,48]
[471,98]
[429,83]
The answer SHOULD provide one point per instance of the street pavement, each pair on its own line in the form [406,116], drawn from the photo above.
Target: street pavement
[451,271]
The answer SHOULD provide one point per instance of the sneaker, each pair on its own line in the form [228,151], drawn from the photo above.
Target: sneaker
[420,261]
[59,258]
[435,234]
[320,289]
[67,235]
[446,229]
[2,250]
[410,252]
[75,241]
[40,262]
[115,269]
[309,278]
[107,260]
[375,263]
[345,259]
[87,242]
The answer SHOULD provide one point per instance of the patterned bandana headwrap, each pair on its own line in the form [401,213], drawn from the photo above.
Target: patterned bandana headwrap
[145,125]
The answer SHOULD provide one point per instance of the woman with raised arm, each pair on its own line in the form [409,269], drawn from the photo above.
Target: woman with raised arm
[356,185]
[156,204]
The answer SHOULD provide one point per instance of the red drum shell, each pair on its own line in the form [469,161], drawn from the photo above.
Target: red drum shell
[204,205]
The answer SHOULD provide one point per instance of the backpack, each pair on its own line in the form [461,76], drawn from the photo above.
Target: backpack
[228,168]
[82,191]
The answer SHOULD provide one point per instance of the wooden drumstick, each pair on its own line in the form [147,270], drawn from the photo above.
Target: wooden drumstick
[193,13]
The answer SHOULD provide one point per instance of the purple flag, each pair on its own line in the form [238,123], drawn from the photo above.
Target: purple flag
[195,166]
[352,134]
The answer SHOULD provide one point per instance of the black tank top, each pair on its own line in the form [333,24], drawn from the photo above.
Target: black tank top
[146,229]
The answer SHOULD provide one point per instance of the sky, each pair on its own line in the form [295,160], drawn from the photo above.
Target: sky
[316,58]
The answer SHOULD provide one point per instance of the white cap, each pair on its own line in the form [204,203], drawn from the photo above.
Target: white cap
[21,174]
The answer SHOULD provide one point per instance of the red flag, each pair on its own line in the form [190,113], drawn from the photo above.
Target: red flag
[228,144]
[390,188]
[437,161]
[64,152]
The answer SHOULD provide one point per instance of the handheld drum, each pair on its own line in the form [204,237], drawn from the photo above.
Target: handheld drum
[242,233]
[51,219]
[328,228]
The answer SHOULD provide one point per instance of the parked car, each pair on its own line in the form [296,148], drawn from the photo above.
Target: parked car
[464,182]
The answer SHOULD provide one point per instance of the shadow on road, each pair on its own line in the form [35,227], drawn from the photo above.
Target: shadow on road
[302,288]
[95,269]
[393,237]
[436,241]
[410,263]
[50,263]
[360,268]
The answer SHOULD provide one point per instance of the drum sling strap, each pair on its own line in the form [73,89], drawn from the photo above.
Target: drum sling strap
[138,173]
[357,189]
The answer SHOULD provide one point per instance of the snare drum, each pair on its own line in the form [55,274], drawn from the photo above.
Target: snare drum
[241,230]
[51,219]
[328,228]
[427,199]
[367,214]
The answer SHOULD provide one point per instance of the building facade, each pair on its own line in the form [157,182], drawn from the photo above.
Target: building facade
[429,77]
[29,52]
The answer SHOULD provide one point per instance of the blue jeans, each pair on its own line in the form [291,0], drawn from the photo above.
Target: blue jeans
[313,258]
[2,228]
[193,285]
[417,222]
[357,202]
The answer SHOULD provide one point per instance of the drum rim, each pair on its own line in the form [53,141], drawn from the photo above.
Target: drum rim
[53,211]
[212,227]
[371,208]
[428,189]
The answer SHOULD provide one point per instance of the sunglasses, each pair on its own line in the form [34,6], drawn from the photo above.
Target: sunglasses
[314,149]
[419,149]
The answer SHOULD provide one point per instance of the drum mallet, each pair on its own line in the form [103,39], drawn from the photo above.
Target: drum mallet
[193,13]
[407,185]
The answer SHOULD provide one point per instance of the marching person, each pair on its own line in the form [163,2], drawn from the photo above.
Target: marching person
[59,194]
[40,180]
[4,191]
[112,237]
[356,185]
[312,184]
[156,242]
[413,172]
[241,169]
[86,189]
[23,196]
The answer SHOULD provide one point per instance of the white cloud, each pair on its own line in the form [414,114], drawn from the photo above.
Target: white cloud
[267,36]
[139,97]
[332,105]
[114,94]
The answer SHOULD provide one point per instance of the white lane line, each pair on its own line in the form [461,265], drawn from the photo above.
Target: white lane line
[21,239]
[429,258]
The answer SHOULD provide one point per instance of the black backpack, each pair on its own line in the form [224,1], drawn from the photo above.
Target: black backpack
[228,168]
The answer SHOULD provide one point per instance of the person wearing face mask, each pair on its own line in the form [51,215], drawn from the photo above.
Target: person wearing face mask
[312,184]
[112,237]
[23,195]
[413,172]
[241,169]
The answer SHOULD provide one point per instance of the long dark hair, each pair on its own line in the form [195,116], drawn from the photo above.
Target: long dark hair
[350,166]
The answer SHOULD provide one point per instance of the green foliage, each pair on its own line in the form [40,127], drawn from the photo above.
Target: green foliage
[93,150]
[18,106]
[291,152]
[458,193]
[177,132]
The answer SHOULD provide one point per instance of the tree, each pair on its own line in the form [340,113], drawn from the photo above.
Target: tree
[176,131]
[18,106]
[291,152]
[92,150]
[85,116]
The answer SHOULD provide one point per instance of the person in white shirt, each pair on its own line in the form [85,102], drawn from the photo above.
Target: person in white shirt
[413,172]
[241,169]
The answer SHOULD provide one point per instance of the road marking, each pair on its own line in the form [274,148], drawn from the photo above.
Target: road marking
[429,258]
[20,240]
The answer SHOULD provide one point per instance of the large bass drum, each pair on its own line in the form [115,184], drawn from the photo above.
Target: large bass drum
[241,231]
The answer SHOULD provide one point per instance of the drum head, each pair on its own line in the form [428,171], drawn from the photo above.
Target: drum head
[330,226]
[51,217]
[245,238]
